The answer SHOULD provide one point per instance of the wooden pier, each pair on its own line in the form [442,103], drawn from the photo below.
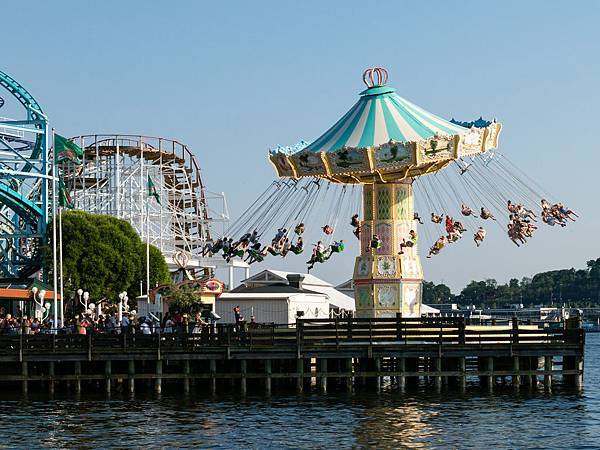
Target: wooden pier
[314,354]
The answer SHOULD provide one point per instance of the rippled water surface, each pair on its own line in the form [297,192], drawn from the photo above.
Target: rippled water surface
[420,419]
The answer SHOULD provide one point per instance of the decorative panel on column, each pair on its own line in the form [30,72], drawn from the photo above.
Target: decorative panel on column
[385,232]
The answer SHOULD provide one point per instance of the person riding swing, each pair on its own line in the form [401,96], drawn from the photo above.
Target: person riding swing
[318,255]
[411,242]
[328,230]
[355,222]
[466,211]
[485,214]
[437,218]
[255,254]
[375,242]
[337,247]
[298,247]
[299,229]
[437,246]
[479,236]
[286,247]
[356,232]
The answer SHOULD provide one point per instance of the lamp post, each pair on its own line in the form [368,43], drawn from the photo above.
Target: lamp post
[38,294]
[86,297]
[79,293]
[46,309]
[34,291]
[122,301]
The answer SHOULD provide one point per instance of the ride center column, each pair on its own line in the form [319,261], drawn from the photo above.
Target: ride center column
[386,282]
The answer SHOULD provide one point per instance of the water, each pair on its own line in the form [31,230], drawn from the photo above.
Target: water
[534,419]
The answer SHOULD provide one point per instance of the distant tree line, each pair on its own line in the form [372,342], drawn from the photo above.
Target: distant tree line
[574,287]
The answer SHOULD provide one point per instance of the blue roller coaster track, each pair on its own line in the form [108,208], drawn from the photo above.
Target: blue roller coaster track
[24,184]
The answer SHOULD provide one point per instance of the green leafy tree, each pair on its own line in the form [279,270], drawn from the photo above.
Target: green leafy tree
[436,293]
[104,255]
[184,299]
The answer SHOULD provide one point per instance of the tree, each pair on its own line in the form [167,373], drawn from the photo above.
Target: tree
[185,299]
[104,256]
[436,293]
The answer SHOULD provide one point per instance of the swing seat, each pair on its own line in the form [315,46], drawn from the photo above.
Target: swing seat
[274,252]
[296,250]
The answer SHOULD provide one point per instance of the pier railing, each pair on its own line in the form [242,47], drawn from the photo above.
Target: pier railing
[306,334]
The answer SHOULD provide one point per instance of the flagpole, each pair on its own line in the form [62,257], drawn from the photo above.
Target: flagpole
[54,271]
[147,252]
[60,256]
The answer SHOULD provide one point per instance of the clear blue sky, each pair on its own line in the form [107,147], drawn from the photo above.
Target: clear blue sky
[234,78]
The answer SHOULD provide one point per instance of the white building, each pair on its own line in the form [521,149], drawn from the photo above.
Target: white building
[281,297]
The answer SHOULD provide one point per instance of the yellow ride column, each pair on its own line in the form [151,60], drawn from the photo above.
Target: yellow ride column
[386,282]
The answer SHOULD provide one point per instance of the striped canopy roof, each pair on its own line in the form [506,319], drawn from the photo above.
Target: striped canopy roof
[380,116]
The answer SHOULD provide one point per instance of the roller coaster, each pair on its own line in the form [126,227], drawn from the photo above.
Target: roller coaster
[24,182]
[111,180]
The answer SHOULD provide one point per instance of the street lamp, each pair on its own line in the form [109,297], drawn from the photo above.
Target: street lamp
[38,294]
[46,309]
[86,297]
[122,302]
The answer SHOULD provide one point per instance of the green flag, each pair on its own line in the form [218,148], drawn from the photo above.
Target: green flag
[152,192]
[64,199]
[66,150]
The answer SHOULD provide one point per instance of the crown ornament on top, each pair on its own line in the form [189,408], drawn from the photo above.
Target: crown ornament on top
[375,77]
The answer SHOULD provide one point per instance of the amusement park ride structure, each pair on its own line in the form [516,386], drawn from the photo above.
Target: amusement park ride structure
[384,143]
[25,176]
[112,180]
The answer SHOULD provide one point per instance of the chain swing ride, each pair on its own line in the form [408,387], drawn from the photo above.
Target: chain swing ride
[394,149]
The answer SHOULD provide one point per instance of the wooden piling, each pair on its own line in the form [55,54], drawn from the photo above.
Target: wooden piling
[131,375]
[548,368]
[25,375]
[578,378]
[462,379]
[107,375]
[490,378]
[322,367]
[51,376]
[401,378]
[186,376]
[268,377]
[213,376]
[78,377]
[438,377]
[299,375]
[243,377]
[349,371]
[158,379]
[516,377]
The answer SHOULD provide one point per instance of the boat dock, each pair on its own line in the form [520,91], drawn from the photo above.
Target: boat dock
[314,354]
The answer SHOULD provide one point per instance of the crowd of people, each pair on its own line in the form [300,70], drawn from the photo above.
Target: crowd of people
[109,323]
